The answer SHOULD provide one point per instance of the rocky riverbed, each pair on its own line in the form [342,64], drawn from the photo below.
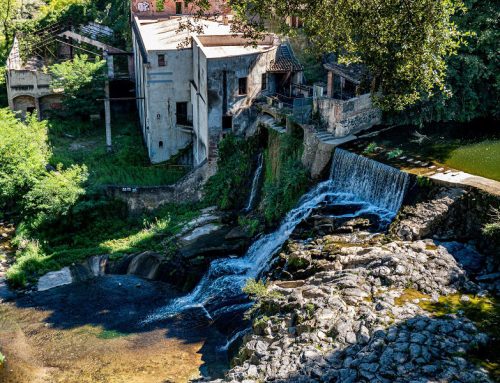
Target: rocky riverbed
[346,305]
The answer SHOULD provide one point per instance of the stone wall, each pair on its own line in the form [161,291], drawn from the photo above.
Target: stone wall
[347,117]
[188,189]
[317,155]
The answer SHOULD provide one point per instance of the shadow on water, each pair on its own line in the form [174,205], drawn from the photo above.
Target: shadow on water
[117,304]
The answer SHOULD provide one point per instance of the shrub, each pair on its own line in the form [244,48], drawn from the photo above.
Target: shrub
[371,148]
[233,173]
[251,225]
[491,230]
[2,359]
[394,154]
[82,82]
[286,178]
[24,152]
[54,194]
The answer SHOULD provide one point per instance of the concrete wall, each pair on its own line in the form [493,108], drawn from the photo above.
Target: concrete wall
[188,189]
[26,88]
[238,106]
[346,117]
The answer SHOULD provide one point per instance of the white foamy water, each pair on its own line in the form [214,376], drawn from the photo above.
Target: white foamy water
[373,187]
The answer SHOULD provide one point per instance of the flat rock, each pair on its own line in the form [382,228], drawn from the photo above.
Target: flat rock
[55,279]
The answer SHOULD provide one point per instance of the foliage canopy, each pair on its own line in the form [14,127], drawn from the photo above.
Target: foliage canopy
[404,45]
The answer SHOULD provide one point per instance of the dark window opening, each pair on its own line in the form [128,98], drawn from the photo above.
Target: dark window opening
[160,144]
[178,8]
[264,81]
[242,86]
[30,109]
[227,122]
[161,60]
[182,113]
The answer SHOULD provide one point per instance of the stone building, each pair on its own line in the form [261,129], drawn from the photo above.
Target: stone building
[27,78]
[347,106]
[194,85]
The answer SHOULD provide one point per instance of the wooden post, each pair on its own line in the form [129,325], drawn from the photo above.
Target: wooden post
[107,106]
[329,86]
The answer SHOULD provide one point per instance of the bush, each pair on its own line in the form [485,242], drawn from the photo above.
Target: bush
[53,195]
[82,82]
[371,148]
[286,179]
[394,154]
[2,359]
[24,152]
[251,225]
[233,173]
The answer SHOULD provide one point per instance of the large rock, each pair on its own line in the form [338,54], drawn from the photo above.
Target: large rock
[55,279]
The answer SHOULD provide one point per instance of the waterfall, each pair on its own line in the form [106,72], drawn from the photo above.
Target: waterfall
[369,181]
[373,187]
[255,183]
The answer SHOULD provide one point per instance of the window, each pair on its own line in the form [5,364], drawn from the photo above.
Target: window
[264,81]
[242,86]
[161,60]
[182,113]
[227,122]
[160,144]
[178,8]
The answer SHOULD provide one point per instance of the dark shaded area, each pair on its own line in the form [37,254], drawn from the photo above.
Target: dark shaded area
[121,303]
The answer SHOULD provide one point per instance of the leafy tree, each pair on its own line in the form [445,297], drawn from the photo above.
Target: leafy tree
[472,87]
[82,82]
[53,195]
[24,152]
[403,44]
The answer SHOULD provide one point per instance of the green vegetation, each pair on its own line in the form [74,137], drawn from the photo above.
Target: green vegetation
[62,215]
[286,179]
[76,142]
[251,225]
[2,359]
[375,33]
[233,173]
[371,148]
[394,154]
[491,230]
[472,83]
[111,334]
[82,82]
[408,295]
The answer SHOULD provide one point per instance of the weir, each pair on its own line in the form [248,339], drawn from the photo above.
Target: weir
[354,180]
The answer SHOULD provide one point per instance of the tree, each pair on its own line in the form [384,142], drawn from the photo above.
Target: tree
[403,43]
[472,87]
[24,152]
[82,82]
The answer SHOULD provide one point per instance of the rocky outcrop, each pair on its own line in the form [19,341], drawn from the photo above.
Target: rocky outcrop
[358,316]
[423,218]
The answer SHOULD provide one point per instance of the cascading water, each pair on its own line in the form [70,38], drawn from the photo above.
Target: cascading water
[255,183]
[373,187]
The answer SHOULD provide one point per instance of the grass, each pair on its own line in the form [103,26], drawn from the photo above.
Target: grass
[81,143]
[409,295]
[111,334]
[109,233]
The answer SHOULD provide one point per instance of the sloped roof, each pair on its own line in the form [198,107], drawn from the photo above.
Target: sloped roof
[353,73]
[285,61]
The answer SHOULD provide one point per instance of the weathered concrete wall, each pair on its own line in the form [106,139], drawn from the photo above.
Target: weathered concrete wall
[26,89]
[347,117]
[188,189]
[149,7]
[317,155]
